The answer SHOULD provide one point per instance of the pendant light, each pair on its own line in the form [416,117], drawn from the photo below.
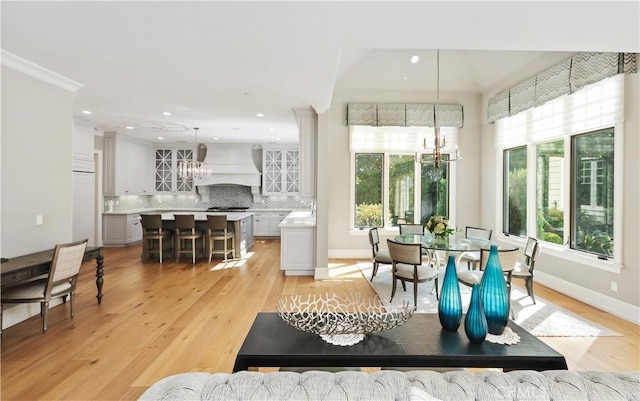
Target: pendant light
[194,169]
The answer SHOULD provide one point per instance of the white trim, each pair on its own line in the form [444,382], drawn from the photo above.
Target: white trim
[608,304]
[34,70]
[364,254]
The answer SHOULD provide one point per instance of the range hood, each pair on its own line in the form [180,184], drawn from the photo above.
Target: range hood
[229,164]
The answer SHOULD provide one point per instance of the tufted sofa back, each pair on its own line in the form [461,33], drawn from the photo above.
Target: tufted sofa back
[394,385]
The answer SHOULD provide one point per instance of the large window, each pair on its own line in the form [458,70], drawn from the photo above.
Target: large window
[592,192]
[515,191]
[386,186]
[558,170]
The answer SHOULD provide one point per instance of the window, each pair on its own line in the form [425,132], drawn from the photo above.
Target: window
[434,194]
[401,188]
[592,205]
[550,185]
[569,143]
[515,191]
[368,191]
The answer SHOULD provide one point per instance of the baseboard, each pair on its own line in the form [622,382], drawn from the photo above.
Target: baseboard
[608,304]
[350,254]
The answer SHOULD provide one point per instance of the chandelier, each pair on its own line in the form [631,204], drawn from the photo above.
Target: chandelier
[440,141]
[193,169]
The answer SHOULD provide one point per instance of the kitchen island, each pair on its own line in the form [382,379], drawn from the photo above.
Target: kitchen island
[298,243]
[240,222]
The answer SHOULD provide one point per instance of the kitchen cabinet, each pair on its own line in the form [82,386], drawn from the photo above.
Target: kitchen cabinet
[128,165]
[298,243]
[121,229]
[267,223]
[308,125]
[280,171]
[167,180]
[246,235]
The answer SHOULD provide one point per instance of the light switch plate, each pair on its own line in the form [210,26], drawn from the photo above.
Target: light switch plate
[39,220]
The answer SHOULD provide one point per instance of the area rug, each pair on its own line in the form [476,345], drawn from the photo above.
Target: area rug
[542,319]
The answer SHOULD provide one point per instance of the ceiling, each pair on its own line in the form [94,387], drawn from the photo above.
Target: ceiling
[216,65]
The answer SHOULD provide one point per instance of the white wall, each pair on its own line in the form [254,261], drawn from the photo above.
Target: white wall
[36,164]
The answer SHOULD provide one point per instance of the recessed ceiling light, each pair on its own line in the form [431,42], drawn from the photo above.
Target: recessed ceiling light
[277,139]
[86,112]
[415,58]
[271,129]
[405,78]
[129,127]
[235,129]
[160,138]
[216,138]
[259,115]
[166,113]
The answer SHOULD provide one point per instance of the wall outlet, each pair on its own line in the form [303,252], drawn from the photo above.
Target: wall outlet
[614,286]
[39,220]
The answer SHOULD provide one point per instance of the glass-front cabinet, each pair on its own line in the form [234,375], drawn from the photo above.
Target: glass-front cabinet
[166,179]
[280,171]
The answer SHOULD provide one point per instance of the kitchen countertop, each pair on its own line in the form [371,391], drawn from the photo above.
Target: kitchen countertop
[299,218]
[202,216]
[200,210]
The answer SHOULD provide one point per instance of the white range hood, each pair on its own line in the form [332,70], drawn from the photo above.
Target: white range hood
[230,164]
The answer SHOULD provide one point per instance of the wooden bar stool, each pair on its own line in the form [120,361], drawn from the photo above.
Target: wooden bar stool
[186,231]
[217,230]
[152,231]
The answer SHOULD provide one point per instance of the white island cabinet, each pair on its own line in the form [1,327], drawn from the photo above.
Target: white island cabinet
[298,244]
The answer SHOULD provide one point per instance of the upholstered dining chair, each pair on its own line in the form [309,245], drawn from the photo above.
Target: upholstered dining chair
[217,230]
[472,258]
[524,270]
[379,255]
[59,283]
[406,260]
[411,228]
[186,231]
[153,232]
[508,259]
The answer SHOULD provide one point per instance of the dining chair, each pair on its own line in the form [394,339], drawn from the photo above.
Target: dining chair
[508,259]
[524,270]
[407,266]
[60,282]
[186,231]
[411,229]
[472,258]
[217,230]
[379,255]
[152,232]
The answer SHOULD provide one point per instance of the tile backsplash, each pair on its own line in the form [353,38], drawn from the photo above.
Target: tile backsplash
[220,195]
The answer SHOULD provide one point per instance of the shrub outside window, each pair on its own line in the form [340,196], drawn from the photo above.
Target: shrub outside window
[515,191]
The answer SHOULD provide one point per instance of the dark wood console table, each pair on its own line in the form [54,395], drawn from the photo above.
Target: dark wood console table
[420,342]
[27,267]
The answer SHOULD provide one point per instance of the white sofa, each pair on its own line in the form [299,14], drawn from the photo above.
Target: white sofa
[556,385]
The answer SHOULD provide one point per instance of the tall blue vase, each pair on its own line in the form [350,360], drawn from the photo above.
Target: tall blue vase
[494,294]
[475,322]
[450,303]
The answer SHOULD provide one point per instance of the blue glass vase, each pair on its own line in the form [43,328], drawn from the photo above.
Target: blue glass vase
[494,294]
[475,322]
[450,303]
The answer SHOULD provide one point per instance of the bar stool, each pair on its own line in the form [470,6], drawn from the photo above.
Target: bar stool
[185,231]
[152,231]
[217,230]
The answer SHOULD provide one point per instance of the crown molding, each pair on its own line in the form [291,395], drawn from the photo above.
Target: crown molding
[34,70]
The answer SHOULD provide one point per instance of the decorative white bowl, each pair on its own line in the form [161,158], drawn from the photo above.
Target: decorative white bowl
[341,319]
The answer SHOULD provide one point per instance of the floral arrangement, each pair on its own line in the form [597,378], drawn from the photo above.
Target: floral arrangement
[439,226]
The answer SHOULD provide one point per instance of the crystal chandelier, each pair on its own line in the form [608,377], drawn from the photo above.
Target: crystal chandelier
[440,141]
[193,169]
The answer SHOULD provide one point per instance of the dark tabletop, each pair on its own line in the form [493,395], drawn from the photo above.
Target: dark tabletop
[420,342]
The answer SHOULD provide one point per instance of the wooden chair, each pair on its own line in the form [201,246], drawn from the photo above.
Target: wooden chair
[472,258]
[153,232]
[59,283]
[407,266]
[379,256]
[186,231]
[217,230]
[524,270]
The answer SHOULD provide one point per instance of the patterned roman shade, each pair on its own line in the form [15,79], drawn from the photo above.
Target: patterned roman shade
[405,115]
[563,78]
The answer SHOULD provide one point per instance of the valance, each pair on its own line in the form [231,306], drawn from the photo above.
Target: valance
[405,115]
[568,76]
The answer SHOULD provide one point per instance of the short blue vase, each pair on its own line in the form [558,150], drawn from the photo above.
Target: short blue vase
[450,303]
[494,294]
[475,322]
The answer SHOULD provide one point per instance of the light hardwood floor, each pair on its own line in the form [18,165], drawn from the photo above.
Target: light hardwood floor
[157,320]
